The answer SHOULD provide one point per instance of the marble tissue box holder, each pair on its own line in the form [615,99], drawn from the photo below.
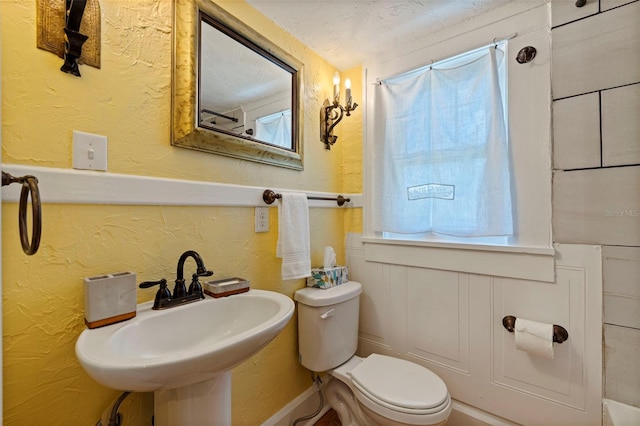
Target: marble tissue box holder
[109,299]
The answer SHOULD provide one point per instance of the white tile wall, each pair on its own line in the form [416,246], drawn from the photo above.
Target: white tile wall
[596,53]
[622,352]
[597,129]
[576,132]
[610,4]
[599,206]
[563,11]
[621,275]
[598,56]
[621,125]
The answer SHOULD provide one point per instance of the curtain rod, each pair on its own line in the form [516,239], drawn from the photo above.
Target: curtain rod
[495,41]
[217,114]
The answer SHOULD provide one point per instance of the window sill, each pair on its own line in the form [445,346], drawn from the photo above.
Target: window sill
[521,262]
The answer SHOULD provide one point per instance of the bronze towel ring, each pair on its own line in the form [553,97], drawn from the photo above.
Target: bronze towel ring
[29,186]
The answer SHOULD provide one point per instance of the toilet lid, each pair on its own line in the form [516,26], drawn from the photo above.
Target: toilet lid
[399,383]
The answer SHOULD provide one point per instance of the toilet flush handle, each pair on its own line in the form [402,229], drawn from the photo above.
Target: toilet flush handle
[327,314]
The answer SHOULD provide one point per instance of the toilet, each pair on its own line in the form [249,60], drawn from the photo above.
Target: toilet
[378,389]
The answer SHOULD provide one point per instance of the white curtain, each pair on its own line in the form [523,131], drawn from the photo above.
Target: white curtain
[275,129]
[441,156]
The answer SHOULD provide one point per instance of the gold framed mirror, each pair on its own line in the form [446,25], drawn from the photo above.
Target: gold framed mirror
[234,92]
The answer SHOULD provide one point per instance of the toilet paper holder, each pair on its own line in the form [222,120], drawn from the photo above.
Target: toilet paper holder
[560,334]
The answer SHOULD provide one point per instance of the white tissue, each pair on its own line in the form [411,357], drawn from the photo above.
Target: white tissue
[329,257]
[534,337]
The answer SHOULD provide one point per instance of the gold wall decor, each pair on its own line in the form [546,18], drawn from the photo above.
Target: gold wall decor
[51,22]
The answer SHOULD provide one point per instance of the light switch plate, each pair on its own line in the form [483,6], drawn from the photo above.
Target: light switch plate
[89,151]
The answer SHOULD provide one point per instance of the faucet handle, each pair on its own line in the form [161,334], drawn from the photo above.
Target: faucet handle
[148,284]
[163,291]
[195,287]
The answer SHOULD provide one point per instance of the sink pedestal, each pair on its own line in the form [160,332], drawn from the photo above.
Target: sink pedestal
[206,403]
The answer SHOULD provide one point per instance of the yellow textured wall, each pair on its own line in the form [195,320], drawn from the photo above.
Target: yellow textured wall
[351,141]
[128,100]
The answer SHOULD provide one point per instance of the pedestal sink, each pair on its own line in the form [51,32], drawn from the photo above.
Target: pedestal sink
[184,354]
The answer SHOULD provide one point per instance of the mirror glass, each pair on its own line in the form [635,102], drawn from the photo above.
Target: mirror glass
[242,91]
[235,93]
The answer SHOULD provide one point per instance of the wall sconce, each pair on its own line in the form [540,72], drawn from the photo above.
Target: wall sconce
[52,21]
[331,114]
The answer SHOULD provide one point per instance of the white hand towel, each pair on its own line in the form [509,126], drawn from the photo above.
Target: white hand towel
[293,236]
[534,337]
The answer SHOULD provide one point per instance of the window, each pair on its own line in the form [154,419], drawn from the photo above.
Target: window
[441,153]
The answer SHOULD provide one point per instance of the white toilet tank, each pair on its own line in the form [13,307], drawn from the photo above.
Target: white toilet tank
[328,325]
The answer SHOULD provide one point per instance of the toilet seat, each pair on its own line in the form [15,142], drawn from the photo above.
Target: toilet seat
[369,399]
[400,386]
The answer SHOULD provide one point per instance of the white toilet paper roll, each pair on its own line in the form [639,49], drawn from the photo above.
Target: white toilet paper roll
[534,337]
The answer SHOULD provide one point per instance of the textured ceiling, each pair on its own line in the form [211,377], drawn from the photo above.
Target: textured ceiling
[346,32]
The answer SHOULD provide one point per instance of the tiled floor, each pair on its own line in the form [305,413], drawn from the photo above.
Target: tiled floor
[330,418]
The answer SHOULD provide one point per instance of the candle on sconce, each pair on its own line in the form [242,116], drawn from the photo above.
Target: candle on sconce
[331,113]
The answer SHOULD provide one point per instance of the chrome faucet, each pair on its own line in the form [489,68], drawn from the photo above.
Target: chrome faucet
[164,299]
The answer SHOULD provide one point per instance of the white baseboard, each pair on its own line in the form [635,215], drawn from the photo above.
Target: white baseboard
[305,404]
[466,415]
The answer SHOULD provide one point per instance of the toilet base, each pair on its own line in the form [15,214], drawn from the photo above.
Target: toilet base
[351,413]
[377,419]
[344,402]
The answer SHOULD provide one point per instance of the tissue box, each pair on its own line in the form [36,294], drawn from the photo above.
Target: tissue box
[327,278]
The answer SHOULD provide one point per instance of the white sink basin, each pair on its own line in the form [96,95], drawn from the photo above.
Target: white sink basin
[181,346]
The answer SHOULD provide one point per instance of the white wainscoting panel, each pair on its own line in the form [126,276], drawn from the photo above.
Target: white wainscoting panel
[451,322]
[548,303]
[535,263]
[371,321]
[567,389]
[375,317]
[437,307]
